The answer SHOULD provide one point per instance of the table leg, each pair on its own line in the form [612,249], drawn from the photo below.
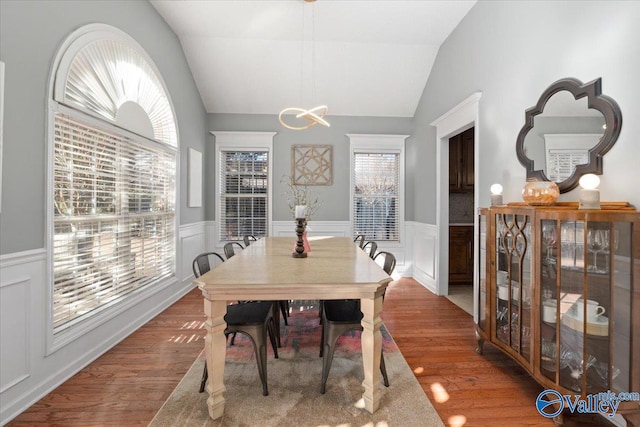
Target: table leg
[371,351]
[215,344]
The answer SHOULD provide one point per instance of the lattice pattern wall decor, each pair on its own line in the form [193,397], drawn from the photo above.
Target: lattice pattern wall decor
[312,164]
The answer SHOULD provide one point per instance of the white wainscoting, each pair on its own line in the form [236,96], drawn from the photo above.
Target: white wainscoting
[20,275]
[316,228]
[425,254]
[27,372]
[192,243]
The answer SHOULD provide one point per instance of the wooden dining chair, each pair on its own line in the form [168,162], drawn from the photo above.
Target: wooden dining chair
[342,316]
[248,239]
[231,247]
[359,240]
[254,319]
[370,247]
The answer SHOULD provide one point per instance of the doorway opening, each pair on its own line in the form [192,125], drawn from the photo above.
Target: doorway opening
[458,119]
[461,219]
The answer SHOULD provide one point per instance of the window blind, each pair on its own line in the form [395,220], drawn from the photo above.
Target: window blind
[376,195]
[562,162]
[244,187]
[114,217]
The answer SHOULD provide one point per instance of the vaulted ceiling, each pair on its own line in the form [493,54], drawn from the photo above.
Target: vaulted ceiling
[359,57]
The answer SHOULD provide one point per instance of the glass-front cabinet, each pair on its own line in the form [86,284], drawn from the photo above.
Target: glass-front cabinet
[561,295]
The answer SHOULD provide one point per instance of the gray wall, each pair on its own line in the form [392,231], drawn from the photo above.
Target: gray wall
[30,34]
[512,51]
[334,198]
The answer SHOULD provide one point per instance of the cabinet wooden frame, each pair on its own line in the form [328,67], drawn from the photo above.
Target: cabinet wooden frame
[612,292]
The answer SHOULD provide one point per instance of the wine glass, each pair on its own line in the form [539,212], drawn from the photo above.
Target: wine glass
[606,246]
[604,238]
[549,239]
[595,244]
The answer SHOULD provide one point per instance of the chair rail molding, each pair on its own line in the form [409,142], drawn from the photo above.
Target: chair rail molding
[27,370]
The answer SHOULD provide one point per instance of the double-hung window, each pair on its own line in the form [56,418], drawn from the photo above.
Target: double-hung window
[244,184]
[113,176]
[377,186]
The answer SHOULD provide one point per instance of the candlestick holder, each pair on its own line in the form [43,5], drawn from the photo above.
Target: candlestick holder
[299,252]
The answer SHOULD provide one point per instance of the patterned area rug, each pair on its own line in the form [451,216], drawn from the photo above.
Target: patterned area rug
[294,385]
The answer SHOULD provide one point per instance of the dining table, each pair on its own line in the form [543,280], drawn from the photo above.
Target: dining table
[334,268]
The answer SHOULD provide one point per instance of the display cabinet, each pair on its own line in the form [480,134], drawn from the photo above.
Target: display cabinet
[559,292]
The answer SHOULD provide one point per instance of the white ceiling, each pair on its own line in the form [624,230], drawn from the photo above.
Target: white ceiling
[372,58]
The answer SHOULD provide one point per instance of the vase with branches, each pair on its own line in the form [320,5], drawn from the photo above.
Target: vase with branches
[300,195]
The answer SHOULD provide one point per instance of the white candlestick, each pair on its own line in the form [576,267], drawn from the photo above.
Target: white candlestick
[301,211]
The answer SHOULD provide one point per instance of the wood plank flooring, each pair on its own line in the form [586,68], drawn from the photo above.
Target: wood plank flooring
[129,383]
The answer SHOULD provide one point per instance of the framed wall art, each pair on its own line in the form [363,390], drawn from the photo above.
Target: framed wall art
[312,164]
[195,178]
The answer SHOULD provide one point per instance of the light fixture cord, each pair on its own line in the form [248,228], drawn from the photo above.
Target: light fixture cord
[302,54]
[313,54]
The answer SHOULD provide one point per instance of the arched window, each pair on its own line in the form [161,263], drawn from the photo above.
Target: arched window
[113,174]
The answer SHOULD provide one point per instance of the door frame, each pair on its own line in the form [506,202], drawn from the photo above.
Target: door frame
[458,119]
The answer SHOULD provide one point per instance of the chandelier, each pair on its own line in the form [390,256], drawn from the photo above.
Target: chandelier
[305,118]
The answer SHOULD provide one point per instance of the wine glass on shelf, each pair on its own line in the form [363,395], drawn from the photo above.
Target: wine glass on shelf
[607,246]
[595,245]
[549,240]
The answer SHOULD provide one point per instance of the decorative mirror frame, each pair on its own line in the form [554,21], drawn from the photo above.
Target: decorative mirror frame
[604,104]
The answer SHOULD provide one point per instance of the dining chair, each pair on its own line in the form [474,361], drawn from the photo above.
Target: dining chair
[253,319]
[359,240]
[230,248]
[283,305]
[370,247]
[248,239]
[341,316]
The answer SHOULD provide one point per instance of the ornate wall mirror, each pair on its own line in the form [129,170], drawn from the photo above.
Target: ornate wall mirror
[567,132]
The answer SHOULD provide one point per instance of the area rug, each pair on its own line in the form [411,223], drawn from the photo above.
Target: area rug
[294,385]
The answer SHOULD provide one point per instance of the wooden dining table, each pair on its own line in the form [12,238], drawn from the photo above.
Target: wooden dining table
[335,268]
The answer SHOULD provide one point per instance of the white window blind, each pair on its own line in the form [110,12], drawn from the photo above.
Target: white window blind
[244,189]
[376,196]
[563,162]
[114,216]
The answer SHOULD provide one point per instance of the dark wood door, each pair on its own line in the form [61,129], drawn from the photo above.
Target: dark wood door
[460,254]
[461,170]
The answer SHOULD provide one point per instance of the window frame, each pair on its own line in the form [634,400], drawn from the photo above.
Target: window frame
[67,50]
[379,144]
[248,142]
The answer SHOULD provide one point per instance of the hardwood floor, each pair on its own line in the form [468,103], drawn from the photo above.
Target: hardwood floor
[129,383]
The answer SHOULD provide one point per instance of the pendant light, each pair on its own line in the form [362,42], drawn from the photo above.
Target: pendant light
[305,118]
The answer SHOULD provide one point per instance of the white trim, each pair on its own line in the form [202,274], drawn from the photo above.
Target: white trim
[424,254]
[79,39]
[16,338]
[63,59]
[458,119]
[316,228]
[243,141]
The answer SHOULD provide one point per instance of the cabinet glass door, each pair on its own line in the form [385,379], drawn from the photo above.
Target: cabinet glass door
[551,297]
[586,283]
[513,282]
[482,273]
